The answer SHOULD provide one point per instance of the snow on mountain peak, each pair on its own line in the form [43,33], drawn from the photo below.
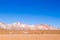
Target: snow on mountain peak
[20,26]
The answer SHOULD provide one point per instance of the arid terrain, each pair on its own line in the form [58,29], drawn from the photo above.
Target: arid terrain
[3,31]
[18,31]
[29,34]
[30,37]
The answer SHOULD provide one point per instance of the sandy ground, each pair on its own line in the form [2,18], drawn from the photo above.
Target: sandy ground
[29,36]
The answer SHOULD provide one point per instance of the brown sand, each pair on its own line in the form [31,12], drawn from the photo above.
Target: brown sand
[29,34]
[3,31]
[30,37]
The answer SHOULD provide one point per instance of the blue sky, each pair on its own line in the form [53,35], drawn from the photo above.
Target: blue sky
[30,11]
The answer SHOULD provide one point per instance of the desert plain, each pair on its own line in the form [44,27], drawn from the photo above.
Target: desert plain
[29,34]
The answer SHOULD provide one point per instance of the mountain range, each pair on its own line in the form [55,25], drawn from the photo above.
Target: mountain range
[21,26]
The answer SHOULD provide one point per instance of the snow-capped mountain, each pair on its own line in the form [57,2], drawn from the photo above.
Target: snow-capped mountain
[20,26]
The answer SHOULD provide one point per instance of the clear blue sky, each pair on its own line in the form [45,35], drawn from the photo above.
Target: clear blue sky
[30,11]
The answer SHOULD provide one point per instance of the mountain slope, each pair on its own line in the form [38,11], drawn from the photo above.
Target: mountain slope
[20,26]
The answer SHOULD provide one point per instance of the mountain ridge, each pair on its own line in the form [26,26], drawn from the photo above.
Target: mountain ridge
[21,26]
